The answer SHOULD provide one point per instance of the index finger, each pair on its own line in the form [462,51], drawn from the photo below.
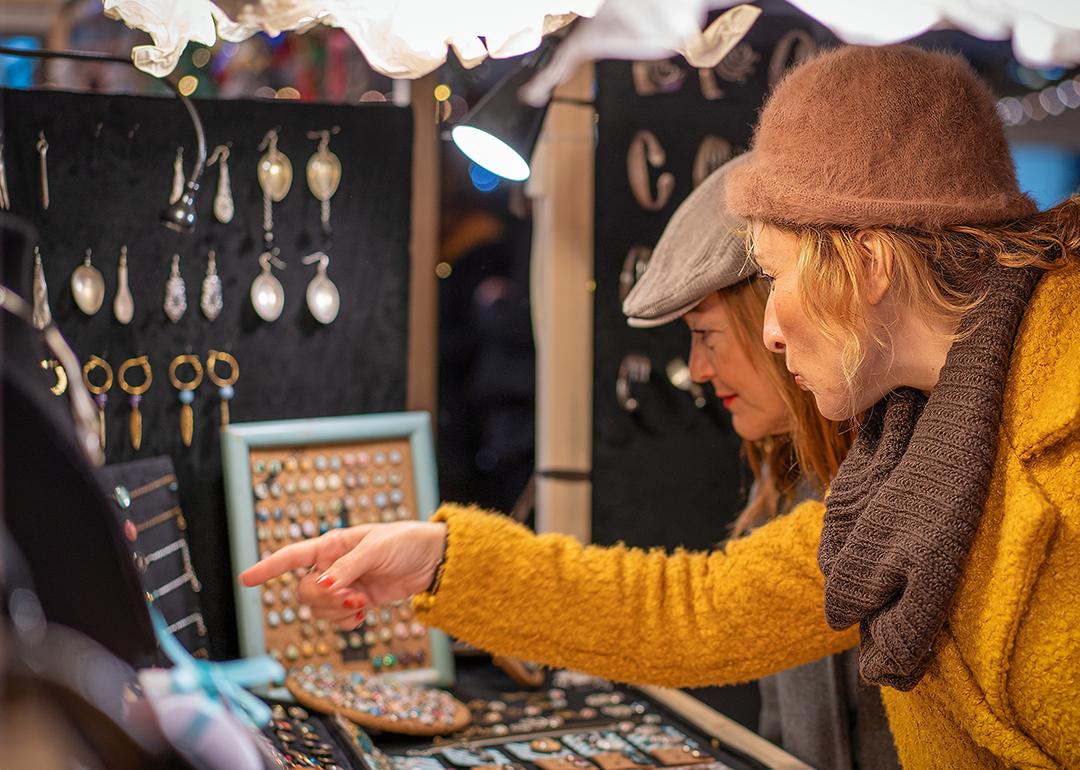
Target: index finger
[294,556]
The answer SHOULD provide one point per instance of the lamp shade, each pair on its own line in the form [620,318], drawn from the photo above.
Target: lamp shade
[500,132]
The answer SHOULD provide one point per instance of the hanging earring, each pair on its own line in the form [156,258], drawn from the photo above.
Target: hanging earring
[123,303]
[267,293]
[186,391]
[224,384]
[275,178]
[177,176]
[135,393]
[223,201]
[88,286]
[175,292]
[5,196]
[101,392]
[42,148]
[324,173]
[323,299]
[42,315]
[211,300]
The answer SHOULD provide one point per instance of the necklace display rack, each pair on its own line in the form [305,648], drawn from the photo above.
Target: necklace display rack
[145,495]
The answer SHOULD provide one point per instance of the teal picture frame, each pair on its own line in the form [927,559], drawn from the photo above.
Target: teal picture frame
[237,441]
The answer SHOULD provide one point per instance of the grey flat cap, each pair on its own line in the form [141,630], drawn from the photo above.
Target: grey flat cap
[700,251]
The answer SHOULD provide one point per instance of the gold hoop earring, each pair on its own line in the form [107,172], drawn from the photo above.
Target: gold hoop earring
[224,384]
[61,385]
[186,393]
[101,392]
[135,393]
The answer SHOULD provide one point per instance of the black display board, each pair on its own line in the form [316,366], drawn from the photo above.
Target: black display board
[110,163]
[670,474]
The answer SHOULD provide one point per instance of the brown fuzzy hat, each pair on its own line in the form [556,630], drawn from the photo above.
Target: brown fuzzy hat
[871,136]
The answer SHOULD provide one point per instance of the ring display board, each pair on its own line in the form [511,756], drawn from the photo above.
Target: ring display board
[287,481]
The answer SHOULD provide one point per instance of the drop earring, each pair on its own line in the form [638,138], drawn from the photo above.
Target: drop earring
[212,301]
[175,292]
[224,385]
[324,173]
[135,393]
[42,315]
[186,393]
[123,302]
[323,300]
[177,176]
[101,392]
[267,293]
[43,148]
[88,286]
[223,201]
[275,178]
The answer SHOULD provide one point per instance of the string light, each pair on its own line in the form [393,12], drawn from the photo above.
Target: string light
[443,270]
[201,57]
[187,85]
[442,92]
[288,92]
[1053,100]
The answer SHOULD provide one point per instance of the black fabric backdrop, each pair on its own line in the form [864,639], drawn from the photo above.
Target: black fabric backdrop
[110,174]
[669,475]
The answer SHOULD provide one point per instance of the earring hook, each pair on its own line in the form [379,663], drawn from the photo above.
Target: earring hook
[221,152]
[321,257]
[270,258]
[270,140]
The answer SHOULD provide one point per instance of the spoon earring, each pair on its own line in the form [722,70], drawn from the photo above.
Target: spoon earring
[177,176]
[211,300]
[88,286]
[175,292]
[324,173]
[275,178]
[267,293]
[323,299]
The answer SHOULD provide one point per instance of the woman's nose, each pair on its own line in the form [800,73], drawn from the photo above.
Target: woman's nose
[700,369]
[770,333]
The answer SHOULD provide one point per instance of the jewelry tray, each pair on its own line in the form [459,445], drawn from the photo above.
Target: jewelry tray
[286,481]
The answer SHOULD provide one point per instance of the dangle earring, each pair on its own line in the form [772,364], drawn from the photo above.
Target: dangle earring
[5,196]
[275,178]
[42,148]
[324,173]
[223,201]
[88,286]
[101,392]
[135,393]
[267,293]
[211,300]
[186,393]
[123,302]
[42,315]
[175,292]
[225,385]
[177,176]
[323,299]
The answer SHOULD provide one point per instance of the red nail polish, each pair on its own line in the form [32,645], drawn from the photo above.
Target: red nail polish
[353,604]
[361,615]
[326,581]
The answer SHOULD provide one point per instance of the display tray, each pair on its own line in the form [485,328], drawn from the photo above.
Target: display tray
[643,736]
[293,480]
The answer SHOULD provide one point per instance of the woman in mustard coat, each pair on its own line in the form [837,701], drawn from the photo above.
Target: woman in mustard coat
[911,281]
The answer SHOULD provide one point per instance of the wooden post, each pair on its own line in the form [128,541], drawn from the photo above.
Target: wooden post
[561,188]
[423,357]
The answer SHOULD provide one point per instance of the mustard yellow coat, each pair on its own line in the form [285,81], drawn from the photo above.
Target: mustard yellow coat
[1004,687]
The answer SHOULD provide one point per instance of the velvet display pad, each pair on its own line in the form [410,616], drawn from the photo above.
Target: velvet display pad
[110,162]
[302,492]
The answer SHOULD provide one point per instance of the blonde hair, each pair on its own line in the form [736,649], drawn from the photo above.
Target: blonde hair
[934,271]
[813,449]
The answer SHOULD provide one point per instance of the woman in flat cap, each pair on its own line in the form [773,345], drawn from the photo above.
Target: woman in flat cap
[911,280]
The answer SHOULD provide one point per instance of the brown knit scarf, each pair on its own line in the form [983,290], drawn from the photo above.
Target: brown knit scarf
[906,502]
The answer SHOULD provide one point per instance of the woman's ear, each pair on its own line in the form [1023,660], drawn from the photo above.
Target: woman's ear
[879,255]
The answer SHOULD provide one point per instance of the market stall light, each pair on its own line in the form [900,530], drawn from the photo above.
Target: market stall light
[500,132]
[187,85]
